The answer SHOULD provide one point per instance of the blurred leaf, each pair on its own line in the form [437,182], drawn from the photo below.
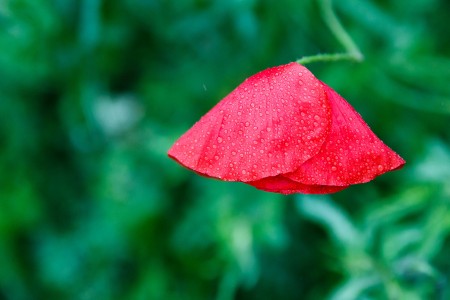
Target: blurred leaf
[322,210]
[355,288]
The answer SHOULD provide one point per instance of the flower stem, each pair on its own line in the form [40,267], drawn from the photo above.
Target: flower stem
[352,51]
[326,57]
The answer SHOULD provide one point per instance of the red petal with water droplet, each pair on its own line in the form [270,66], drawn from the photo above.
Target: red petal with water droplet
[283,185]
[352,153]
[270,124]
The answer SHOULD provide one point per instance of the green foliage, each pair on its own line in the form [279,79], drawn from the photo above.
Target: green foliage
[93,93]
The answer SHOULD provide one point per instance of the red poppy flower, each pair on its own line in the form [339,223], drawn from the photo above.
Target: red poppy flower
[283,130]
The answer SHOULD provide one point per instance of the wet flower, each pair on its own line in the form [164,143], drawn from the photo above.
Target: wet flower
[283,130]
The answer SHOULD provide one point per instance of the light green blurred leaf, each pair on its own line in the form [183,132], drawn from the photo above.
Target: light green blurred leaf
[355,289]
[324,211]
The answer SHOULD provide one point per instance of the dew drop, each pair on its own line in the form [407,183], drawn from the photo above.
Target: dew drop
[247,124]
[333,168]
[219,140]
[316,117]
[244,172]
[380,168]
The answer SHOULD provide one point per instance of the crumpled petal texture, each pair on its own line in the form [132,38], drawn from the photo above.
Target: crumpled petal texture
[283,130]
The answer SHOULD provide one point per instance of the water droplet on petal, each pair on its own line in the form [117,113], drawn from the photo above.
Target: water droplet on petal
[380,168]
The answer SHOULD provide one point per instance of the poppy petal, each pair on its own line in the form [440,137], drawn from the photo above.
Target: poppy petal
[283,185]
[352,153]
[269,125]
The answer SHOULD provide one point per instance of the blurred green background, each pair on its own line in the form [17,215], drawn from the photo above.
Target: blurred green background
[93,93]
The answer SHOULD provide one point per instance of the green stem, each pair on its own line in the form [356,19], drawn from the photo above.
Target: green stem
[352,51]
[326,57]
